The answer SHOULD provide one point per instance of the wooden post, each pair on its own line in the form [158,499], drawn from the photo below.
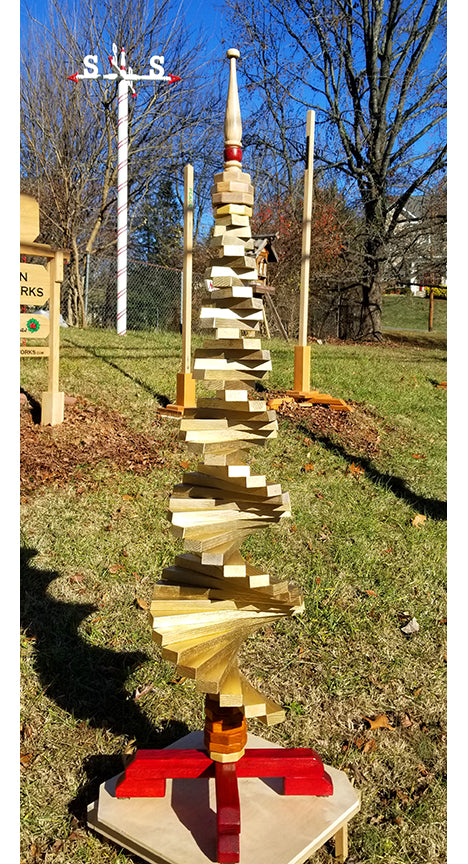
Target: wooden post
[185,382]
[431,309]
[53,401]
[302,350]
[185,387]
[341,843]
[301,391]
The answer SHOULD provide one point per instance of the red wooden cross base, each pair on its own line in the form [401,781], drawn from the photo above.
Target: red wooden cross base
[301,769]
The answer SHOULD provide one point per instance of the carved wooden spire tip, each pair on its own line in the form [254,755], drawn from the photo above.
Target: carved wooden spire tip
[232,119]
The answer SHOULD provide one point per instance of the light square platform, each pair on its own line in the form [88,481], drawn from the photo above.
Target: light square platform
[181,827]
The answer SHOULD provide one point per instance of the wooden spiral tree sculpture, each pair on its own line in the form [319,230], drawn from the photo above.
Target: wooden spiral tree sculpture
[212,599]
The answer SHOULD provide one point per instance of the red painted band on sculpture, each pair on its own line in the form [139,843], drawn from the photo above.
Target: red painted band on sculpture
[233,153]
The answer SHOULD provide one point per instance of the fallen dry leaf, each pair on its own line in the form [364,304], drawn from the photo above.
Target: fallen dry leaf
[114,568]
[418,520]
[26,730]
[356,470]
[184,464]
[142,691]
[127,497]
[25,759]
[142,604]
[308,467]
[406,721]
[379,722]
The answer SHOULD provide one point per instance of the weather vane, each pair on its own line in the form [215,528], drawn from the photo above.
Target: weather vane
[125,76]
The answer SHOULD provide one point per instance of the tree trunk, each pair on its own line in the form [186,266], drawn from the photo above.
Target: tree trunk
[369,325]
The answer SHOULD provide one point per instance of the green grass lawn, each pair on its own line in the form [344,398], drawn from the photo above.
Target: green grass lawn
[400,312]
[95,537]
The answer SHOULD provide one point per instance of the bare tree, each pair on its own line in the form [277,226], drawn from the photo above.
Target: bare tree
[374,71]
[69,130]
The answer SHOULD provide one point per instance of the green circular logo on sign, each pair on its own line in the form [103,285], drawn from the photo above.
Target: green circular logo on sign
[33,325]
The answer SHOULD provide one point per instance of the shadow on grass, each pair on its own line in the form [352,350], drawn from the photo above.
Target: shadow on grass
[416,338]
[160,397]
[86,681]
[434,508]
[35,406]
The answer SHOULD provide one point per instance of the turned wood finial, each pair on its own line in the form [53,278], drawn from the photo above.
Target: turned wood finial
[232,119]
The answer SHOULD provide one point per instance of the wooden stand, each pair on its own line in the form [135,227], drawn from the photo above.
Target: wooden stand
[301,391]
[226,759]
[185,394]
[211,599]
[197,818]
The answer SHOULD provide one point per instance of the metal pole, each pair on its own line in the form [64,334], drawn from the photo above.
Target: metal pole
[86,286]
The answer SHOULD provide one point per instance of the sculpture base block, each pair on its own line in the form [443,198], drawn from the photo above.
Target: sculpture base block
[185,397]
[308,398]
[52,408]
[181,827]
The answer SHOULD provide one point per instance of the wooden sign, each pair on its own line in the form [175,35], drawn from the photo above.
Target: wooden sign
[34,326]
[29,218]
[31,351]
[34,284]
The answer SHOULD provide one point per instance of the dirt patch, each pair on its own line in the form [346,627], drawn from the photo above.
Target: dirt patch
[356,430]
[56,455]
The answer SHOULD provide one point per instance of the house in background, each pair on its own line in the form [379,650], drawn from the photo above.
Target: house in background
[418,250]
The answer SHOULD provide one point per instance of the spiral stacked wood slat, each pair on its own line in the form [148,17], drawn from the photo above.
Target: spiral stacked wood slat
[211,599]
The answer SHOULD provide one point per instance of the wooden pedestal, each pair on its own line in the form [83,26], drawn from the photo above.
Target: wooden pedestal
[185,397]
[52,408]
[182,826]
[302,368]
[302,392]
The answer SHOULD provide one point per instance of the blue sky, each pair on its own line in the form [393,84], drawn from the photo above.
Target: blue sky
[201,12]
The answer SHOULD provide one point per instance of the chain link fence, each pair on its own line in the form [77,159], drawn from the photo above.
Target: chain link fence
[154,301]
[153,295]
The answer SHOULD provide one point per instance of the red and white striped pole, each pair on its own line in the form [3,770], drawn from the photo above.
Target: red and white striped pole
[122,200]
